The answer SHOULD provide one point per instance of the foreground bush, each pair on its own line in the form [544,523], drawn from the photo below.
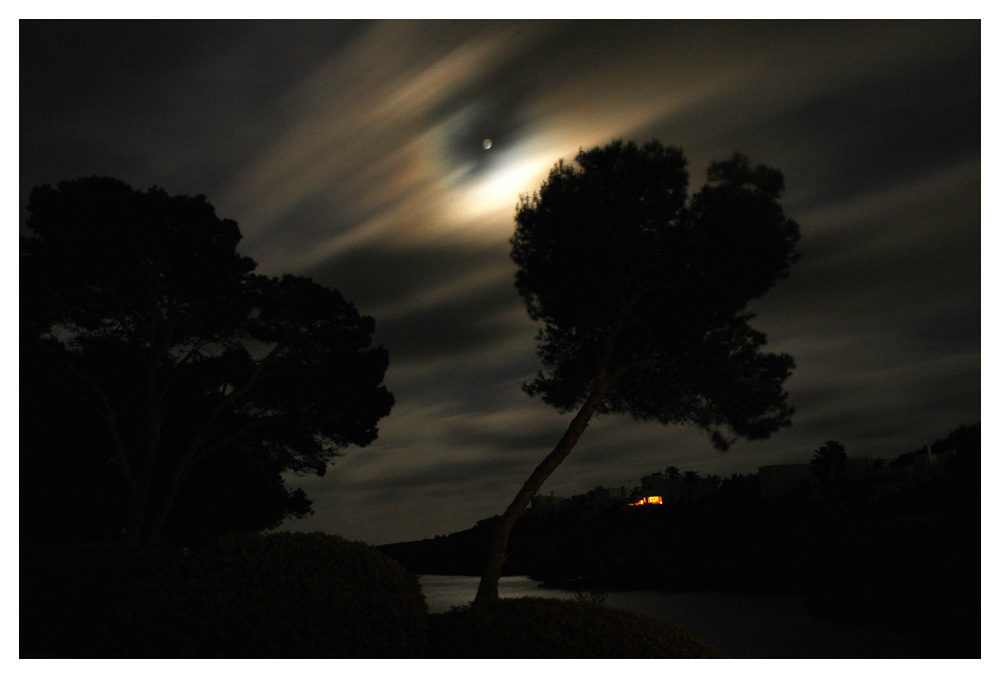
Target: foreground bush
[541,628]
[277,596]
[64,588]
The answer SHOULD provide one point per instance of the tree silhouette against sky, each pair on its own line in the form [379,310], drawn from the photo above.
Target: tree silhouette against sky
[828,460]
[642,294]
[138,306]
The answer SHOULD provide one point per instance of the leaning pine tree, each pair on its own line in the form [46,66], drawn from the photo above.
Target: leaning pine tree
[643,292]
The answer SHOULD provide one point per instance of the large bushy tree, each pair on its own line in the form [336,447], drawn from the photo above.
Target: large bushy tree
[144,329]
[642,293]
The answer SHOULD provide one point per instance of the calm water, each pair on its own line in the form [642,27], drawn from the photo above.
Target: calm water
[743,625]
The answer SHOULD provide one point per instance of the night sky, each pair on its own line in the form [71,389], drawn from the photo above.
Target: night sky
[354,153]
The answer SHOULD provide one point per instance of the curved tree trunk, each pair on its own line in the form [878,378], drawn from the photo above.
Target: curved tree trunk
[497,554]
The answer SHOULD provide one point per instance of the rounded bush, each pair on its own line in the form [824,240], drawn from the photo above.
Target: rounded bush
[282,595]
[547,628]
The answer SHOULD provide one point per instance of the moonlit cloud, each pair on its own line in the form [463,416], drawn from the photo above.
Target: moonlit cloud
[364,133]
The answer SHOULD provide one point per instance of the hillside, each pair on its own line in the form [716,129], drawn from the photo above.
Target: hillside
[908,558]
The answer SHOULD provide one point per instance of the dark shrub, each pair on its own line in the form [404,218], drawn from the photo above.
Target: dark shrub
[64,588]
[540,628]
[281,595]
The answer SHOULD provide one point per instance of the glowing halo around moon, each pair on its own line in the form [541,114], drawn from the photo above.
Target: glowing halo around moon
[495,192]
[472,195]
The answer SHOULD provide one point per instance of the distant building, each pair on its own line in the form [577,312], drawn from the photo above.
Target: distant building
[783,479]
[596,500]
[610,494]
[673,492]
[541,501]
[656,489]
[778,480]
[544,506]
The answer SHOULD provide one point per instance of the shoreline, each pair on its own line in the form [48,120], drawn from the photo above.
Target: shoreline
[742,624]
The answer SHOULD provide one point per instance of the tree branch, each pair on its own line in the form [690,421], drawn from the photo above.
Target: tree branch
[200,437]
[110,418]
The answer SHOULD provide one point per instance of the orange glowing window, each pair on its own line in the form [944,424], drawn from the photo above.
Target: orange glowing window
[648,500]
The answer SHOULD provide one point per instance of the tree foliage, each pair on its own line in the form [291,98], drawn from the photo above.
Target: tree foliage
[73,489]
[632,279]
[829,459]
[142,323]
[642,292]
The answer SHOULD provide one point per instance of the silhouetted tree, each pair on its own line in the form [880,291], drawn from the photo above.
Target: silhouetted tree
[965,443]
[691,482]
[673,473]
[73,489]
[136,308]
[643,292]
[828,459]
[827,463]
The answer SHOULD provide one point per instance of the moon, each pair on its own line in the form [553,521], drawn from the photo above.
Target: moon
[487,144]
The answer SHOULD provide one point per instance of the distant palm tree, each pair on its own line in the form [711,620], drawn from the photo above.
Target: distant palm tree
[673,473]
[828,459]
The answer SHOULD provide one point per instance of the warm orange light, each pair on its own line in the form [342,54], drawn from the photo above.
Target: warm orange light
[648,500]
